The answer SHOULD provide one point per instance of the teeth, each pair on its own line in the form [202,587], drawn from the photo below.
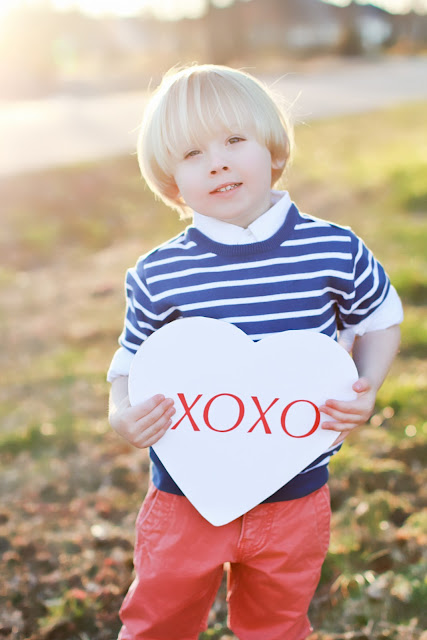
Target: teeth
[228,187]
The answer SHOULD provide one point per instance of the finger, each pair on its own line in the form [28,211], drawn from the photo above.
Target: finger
[344,416]
[148,430]
[340,426]
[340,405]
[143,409]
[154,437]
[156,412]
[155,429]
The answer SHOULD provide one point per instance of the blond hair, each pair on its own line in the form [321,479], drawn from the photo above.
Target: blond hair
[193,102]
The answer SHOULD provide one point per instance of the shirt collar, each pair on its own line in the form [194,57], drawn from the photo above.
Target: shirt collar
[261,229]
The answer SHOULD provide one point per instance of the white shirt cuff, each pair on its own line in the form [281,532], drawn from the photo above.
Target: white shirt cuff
[120,364]
[389,313]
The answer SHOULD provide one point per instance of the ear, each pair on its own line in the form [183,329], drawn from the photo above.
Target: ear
[278,163]
[175,194]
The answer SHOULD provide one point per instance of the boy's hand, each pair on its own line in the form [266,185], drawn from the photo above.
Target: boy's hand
[351,414]
[144,424]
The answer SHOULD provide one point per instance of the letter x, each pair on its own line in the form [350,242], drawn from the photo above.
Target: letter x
[262,414]
[187,410]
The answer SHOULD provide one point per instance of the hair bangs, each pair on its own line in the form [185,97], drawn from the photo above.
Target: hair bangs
[200,109]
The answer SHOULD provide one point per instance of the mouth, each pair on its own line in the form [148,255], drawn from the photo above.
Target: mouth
[224,188]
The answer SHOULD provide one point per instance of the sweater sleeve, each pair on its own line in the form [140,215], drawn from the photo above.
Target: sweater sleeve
[366,288]
[141,319]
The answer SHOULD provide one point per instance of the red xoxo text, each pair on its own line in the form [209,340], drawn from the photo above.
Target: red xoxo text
[205,418]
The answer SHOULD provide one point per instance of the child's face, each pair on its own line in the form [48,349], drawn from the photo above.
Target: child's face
[226,176]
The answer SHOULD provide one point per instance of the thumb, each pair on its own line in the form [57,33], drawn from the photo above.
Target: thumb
[361,385]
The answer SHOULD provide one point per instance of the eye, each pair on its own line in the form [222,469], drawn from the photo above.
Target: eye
[192,153]
[235,139]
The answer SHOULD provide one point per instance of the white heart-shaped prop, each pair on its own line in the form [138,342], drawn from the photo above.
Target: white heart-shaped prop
[247,418]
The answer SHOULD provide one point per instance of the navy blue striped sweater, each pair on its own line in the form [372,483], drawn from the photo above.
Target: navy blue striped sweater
[311,274]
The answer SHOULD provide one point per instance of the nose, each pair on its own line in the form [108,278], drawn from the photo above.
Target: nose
[218,170]
[217,160]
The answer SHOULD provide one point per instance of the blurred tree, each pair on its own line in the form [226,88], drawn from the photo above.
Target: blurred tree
[350,43]
[225,37]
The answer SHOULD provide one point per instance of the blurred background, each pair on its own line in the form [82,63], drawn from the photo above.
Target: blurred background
[87,46]
[74,214]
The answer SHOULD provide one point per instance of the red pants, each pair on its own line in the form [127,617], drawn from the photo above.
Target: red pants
[275,552]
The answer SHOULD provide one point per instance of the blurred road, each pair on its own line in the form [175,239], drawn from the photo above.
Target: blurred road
[66,129]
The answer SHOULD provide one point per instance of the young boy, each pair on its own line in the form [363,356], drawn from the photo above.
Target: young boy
[212,144]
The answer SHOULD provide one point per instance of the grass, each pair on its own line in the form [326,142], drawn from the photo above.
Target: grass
[71,488]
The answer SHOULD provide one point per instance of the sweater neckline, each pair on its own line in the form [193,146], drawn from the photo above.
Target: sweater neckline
[284,232]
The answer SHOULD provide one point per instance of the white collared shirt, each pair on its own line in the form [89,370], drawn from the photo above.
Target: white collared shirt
[261,229]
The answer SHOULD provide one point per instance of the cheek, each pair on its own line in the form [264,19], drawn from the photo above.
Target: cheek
[259,162]
[181,182]
[184,176]
[177,176]
[188,188]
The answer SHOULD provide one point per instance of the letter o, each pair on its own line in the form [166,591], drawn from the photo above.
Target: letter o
[285,413]
[239,419]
